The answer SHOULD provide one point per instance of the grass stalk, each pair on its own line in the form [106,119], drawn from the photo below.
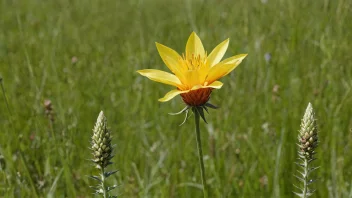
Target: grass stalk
[28,174]
[4,93]
[7,103]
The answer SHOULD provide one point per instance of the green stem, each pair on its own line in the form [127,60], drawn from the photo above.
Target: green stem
[6,101]
[200,151]
[105,194]
[305,181]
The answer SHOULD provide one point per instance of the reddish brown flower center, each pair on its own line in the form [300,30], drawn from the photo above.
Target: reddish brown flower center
[197,97]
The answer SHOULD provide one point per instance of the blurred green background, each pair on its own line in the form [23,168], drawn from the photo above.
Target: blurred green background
[82,56]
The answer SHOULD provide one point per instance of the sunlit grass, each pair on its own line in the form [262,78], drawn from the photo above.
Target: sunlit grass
[83,55]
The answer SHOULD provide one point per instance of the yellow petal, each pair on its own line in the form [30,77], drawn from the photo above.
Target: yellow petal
[160,76]
[234,59]
[170,57]
[218,52]
[194,46]
[192,78]
[171,94]
[215,85]
[225,67]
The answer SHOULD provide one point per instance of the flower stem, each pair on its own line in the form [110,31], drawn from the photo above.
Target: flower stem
[200,151]
[103,182]
[305,179]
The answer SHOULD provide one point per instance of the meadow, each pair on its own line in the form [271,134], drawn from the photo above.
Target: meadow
[83,57]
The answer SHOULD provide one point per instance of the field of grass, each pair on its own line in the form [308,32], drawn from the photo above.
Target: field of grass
[83,56]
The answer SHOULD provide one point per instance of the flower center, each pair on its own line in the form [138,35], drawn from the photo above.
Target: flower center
[192,62]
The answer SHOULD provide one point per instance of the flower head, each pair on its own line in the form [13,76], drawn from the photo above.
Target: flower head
[195,73]
[308,135]
[101,143]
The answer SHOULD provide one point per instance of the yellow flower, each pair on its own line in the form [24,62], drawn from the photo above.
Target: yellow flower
[195,73]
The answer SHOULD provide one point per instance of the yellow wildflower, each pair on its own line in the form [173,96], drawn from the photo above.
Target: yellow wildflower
[195,73]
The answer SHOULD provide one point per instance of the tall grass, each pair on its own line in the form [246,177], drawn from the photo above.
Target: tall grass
[82,55]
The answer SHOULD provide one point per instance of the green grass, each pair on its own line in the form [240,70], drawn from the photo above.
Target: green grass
[249,143]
